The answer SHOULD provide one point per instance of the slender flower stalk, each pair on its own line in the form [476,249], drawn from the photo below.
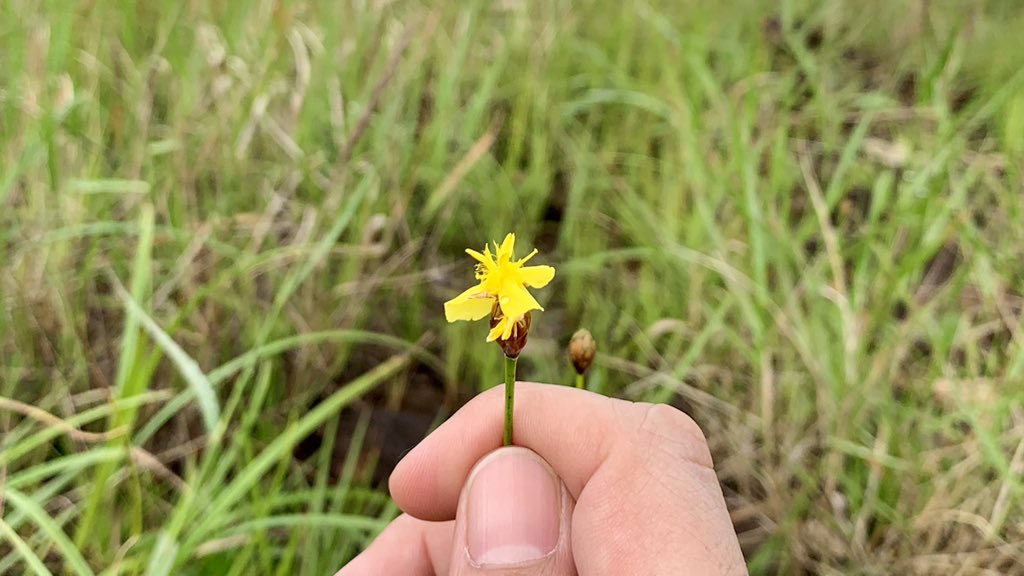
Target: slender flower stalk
[510,398]
[511,348]
[502,293]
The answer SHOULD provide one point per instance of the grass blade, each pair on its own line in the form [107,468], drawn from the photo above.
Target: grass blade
[323,247]
[325,521]
[31,560]
[162,560]
[48,527]
[109,186]
[255,470]
[130,381]
[197,381]
[220,374]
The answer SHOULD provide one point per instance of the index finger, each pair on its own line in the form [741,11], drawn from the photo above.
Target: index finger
[574,430]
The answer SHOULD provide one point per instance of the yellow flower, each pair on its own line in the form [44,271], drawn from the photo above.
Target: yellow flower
[503,281]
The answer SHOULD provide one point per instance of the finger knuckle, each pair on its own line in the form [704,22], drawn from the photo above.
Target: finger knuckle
[665,428]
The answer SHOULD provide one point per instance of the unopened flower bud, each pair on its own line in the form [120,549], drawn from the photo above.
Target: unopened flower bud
[582,349]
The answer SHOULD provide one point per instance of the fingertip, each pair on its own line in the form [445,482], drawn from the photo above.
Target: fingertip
[407,546]
[396,482]
[419,483]
[411,479]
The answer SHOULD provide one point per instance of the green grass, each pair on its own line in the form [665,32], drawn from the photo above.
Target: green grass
[224,229]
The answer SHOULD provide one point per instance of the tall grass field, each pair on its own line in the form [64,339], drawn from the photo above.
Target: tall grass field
[227,230]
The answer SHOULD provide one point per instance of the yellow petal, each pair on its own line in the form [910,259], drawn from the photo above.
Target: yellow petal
[498,330]
[516,300]
[527,257]
[508,245]
[510,326]
[473,304]
[485,260]
[536,276]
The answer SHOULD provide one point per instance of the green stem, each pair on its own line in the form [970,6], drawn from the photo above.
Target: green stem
[579,381]
[510,396]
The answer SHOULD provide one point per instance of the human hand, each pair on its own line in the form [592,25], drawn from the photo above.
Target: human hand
[595,486]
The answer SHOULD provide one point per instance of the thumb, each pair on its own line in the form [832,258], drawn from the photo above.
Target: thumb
[513,518]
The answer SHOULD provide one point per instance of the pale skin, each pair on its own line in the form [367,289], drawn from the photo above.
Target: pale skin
[595,486]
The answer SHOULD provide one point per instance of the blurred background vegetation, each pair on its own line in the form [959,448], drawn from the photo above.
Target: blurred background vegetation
[228,229]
